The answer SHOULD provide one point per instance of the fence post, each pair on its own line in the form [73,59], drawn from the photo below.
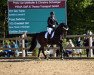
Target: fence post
[23,46]
[90,45]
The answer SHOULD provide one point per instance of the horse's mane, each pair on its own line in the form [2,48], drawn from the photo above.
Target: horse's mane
[58,29]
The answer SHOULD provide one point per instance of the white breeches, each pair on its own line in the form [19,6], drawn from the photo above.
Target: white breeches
[49,30]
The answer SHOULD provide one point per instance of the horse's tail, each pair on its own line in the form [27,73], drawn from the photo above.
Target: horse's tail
[33,43]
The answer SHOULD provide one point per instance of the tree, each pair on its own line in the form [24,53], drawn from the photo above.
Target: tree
[80,16]
[3,18]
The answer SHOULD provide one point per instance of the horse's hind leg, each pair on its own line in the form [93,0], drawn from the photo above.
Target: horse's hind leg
[61,51]
[39,52]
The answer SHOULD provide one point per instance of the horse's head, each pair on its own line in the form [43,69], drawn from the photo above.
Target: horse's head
[62,29]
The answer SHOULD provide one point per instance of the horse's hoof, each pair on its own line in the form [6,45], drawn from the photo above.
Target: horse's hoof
[39,58]
[47,58]
[62,58]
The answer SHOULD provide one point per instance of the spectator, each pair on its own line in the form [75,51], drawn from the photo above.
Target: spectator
[86,43]
[70,44]
[93,45]
[14,45]
[78,43]
[7,51]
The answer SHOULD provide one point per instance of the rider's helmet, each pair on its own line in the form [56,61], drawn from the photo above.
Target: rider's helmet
[52,13]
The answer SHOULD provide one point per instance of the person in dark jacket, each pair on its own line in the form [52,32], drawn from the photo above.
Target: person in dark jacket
[86,43]
[52,22]
[7,51]
[93,45]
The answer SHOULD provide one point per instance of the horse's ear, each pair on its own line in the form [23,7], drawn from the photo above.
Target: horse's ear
[62,25]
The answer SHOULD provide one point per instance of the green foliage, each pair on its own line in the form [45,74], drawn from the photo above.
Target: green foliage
[3,16]
[35,52]
[64,43]
[80,16]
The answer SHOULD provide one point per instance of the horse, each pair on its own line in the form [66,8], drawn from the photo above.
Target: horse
[60,32]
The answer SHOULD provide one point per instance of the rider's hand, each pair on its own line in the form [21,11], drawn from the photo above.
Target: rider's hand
[53,25]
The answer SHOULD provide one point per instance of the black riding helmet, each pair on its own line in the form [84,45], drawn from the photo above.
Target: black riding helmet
[52,13]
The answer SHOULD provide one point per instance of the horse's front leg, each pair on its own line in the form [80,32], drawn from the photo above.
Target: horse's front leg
[42,49]
[44,53]
[61,51]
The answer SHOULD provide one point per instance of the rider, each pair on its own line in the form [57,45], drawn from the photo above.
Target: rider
[52,22]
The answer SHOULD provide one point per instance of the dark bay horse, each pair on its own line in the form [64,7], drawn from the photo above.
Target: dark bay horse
[60,31]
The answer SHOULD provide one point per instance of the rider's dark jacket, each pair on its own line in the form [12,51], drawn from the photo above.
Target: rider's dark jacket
[51,22]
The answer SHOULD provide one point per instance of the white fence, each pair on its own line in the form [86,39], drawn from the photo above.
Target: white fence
[68,36]
[17,39]
[91,47]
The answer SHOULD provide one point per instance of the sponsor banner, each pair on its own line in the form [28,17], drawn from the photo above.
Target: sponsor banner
[31,15]
[36,4]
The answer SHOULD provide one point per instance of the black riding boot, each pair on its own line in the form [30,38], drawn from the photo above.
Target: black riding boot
[49,36]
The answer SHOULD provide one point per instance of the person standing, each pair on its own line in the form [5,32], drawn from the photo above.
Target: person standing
[78,44]
[86,44]
[93,45]
[14,45]
[7,51]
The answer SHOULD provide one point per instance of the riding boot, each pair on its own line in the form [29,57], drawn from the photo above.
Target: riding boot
[49,36]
